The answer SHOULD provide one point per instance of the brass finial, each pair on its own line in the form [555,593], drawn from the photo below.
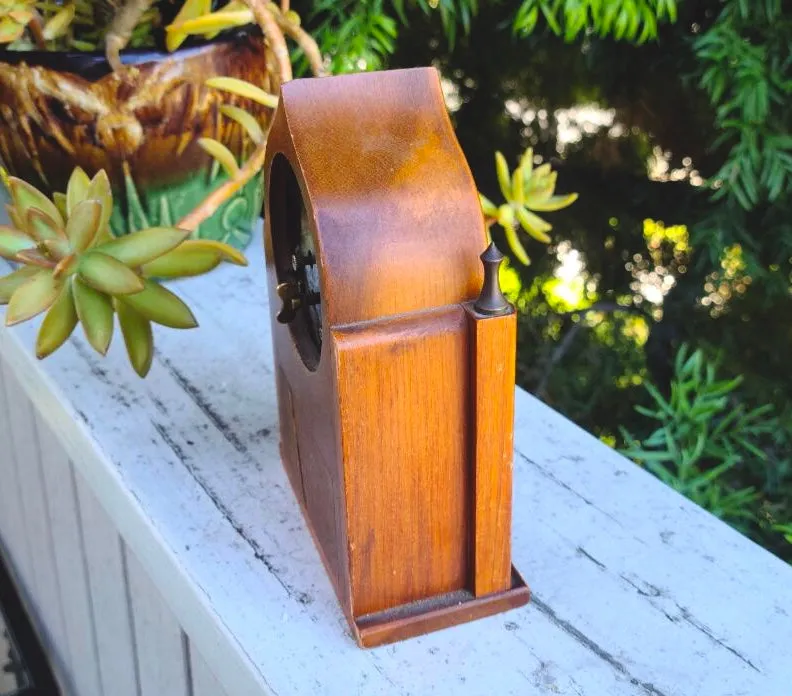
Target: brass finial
[491,301]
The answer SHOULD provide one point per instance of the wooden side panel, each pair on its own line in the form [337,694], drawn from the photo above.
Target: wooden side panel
[110,597]
[493,346]
[403,397]
[163,656]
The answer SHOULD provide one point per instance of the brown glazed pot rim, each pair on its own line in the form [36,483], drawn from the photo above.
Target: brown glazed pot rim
[92,65]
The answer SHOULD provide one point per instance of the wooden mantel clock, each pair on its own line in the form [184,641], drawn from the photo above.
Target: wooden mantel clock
[394,353]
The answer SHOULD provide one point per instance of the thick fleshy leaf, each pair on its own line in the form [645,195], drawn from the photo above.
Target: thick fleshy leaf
[12,241]
[555,203]
[42,227]
[193,257]
[189,10]
[516,245]
[10,30]
[26,196]
[10,283]
[534,225]
[518,189]
[99,190]
[222,154]
[14,217]
[59,199]
[76,189]
[141,247]
[487,206]
[246,120]
[95,311]
[244,89]
[33,257]
[161,306]
[504,180]
[212,24]
[83,224]
[59,23]
[58,324]
[108,275]
[138,337]
[33,297]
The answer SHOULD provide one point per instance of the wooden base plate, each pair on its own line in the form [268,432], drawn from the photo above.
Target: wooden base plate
[427,615]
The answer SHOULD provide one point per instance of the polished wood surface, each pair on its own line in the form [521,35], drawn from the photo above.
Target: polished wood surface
[407,474]
[370,196]
[493,346]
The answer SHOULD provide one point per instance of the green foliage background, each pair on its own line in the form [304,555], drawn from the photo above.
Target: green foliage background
[704,85]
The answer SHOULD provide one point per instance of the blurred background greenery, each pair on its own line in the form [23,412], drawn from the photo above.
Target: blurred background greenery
[658,317]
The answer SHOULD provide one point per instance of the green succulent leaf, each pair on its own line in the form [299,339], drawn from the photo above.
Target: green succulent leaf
[99,190]
[95,311]
[142,247]
[222,154]
[138,337]
[108,275]
[76,189]
[83,224]
[488,207]
[504,180]
[13,215]
[59,199]
[555,203]
[534,225]
[516,245]
[26,196]
[58,324]
[32,297]
[246,120]
[244,89]
[42,227]
[518,188]
[161,306]
[12,241]
[10,283]
[192,257]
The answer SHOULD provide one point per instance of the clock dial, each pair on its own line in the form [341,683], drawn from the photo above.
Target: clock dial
[296,263]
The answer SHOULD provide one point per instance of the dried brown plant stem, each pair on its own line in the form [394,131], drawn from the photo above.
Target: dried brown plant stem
[305,41]
[266,19]
[209,205]
[36,27]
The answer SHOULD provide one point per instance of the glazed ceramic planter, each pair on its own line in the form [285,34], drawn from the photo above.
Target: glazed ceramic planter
[59,110]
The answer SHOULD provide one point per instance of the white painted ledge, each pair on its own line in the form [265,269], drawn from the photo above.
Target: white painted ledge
[636,590]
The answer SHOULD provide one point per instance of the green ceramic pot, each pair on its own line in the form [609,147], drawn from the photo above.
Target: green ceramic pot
[61,110]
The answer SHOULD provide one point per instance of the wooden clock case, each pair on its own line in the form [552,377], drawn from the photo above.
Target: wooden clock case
[395,394]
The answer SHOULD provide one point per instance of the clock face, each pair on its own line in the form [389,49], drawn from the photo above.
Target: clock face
[296,263]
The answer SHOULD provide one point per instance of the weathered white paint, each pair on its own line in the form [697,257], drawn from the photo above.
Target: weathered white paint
[637,591]
[75,595]
[204,682]
[109,597]
[161,646]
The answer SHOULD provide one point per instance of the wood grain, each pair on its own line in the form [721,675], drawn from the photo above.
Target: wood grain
[493,353]
[403,398]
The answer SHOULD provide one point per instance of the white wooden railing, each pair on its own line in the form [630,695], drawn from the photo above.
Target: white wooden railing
[161,552]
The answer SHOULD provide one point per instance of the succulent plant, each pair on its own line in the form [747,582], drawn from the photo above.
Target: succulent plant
[72,268]
[18,16]
[527,190]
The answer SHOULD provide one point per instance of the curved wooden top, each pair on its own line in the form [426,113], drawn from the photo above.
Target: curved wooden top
[394,207]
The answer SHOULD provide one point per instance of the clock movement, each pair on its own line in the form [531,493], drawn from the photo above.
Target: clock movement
[394,353]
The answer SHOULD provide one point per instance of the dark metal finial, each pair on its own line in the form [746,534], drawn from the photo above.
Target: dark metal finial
[491,300]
